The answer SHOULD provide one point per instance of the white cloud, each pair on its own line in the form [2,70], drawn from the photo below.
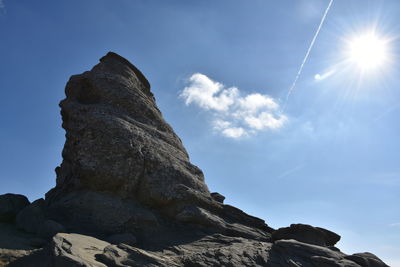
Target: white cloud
[208,94]
[234,116]
[234,132]
[221,124]
[395,225]
[254,102]
[265,120]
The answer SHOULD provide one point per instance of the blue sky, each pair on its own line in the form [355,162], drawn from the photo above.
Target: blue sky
[329,159]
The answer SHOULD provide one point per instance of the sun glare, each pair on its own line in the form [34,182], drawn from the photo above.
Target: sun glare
[368,52]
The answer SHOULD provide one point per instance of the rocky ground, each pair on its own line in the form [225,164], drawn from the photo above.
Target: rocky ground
[127,195]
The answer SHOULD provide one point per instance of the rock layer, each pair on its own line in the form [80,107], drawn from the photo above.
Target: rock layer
[307,234]
[127,195]
[211,250]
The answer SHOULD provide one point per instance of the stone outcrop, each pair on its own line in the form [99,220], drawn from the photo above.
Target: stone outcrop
[122,160]
[126,194]
[10,206]
[307,234]
[118,142]
[210,250]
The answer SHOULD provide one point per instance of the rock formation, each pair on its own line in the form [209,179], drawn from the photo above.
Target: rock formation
[126,194]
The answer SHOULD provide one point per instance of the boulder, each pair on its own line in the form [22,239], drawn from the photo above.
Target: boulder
[218,197]
[76,250]
[307,234]
[49,228]
[12,238]
[10,205]
[32,217]
[331,238]
[366,259]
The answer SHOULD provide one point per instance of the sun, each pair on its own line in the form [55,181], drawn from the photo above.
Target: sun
[368,51]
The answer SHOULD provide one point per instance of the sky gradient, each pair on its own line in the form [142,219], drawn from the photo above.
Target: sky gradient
[330,158]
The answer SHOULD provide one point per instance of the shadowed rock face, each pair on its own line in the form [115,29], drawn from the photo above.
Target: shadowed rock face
[127,195]
[10,206]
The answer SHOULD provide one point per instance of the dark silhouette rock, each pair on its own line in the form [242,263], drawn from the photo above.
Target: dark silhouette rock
[307,234]
[99,212]
[32,217]
[294,253]
[38,242]
[13,243]
[127,179]
[126,238]
[366,259]
[218,197]
[10,205]
[49,228]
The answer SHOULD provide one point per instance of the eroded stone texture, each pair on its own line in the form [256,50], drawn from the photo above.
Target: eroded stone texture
[117,140]
[211,250]
[307,234]
[124,168]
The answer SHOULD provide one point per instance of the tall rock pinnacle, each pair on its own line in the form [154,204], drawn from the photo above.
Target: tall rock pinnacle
[117,140]
[127,195]
[123,162]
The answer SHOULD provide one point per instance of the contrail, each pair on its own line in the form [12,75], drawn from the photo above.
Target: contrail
[289,172]
[307,54]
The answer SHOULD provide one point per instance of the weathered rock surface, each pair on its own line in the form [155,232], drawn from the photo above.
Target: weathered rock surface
[218,197]
[211,250]
[32,217]
[10,206]
[307,234]
[118,142]
[127,195]
[122,160]
[366,259]
[66,250]
[74,249]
